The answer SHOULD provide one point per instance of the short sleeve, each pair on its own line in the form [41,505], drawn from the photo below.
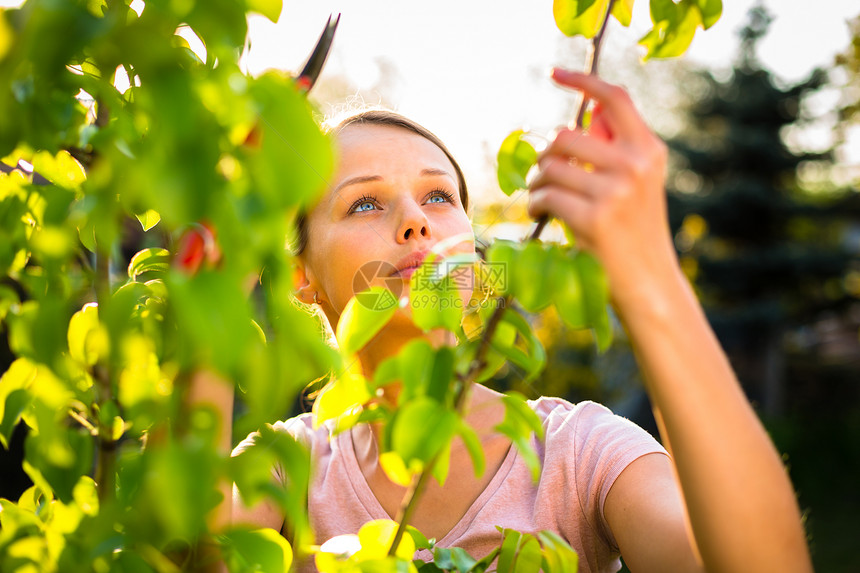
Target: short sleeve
[599,445]
[300,428]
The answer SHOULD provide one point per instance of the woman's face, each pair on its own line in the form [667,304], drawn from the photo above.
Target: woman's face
[395,194]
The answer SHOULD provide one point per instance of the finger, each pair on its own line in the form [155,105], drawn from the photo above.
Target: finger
[574,209]
[584,147]
[556,171]
[621,115]
[598,128]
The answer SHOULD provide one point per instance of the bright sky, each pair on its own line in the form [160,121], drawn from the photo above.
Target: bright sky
[474,71]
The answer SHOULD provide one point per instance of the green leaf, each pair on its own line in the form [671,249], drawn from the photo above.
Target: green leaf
[519,423]
[473,446]
[453,559]
[61,169]
[623,11]
[421,429]
[515,158]
[503,256]
[364,316]
[88,340]
[348,392]
[596,293]
[533,267]
[14,397]
[435,303]
[148,219]
[271,9]
[674,28]
[439,384]
[256,550]
[567,290]
[559,557]
[536,355]
[508,554]
[148,260]
[579,18]
[711,12]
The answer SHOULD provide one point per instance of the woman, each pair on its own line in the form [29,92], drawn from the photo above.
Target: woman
[722,502]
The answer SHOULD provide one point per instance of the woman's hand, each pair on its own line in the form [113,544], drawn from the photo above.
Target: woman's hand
[607,184]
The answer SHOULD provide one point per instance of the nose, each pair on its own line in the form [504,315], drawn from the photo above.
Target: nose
[414,223]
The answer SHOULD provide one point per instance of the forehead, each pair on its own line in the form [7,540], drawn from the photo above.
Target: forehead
[368,149]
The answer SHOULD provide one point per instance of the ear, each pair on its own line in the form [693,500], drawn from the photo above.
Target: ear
[303,282]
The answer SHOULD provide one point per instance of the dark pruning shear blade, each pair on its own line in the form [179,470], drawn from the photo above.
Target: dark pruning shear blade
[309,74]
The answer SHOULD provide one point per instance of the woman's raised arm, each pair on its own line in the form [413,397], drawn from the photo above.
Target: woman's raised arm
[607,184]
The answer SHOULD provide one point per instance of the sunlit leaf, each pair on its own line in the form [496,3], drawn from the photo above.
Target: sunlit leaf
[148,219]
[395,469]
[711,12]
[348,391]
[88,339]
[363,317]
[675,25]
[519,424]
[515,158]
[376,538]
[623,11]
[559,557]
[61,169]
[256,550]
[435,302]
[271,9]
[14,397]
[578,18]
[154,259]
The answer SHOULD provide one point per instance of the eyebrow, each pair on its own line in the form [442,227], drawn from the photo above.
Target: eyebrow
[373,178]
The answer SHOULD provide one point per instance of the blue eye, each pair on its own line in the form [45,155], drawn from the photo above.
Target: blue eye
[363,204]
[440,196]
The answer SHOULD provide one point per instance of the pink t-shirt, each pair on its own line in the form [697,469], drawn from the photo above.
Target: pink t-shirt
[585,449]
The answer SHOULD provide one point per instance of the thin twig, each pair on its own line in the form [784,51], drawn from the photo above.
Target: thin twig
[593,60]
[413,492]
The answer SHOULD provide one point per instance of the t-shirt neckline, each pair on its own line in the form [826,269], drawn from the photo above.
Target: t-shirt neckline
[371,504]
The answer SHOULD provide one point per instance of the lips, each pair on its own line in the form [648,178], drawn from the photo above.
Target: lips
[406,266]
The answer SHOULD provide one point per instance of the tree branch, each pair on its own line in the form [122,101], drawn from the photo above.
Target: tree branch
[413,493]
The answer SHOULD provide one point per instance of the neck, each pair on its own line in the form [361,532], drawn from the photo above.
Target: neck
[388,343]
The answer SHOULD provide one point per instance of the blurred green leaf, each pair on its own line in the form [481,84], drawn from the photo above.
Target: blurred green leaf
[473,446]
[711,12]
[595,288]
[675,25]
[515,158]
[559,557]
[568,294]
[519,424]
[256,550]
[148,260]
[421,429]
[623,11]
[271,9]
[14,397]
[578,17]
[364,316]
[88,340]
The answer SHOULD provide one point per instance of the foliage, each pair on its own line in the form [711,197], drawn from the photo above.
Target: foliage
[213,167]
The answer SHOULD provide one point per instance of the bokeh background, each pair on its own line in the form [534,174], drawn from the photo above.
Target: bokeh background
[763,119]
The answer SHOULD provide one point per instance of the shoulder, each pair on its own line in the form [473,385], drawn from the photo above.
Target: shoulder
[300,428]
